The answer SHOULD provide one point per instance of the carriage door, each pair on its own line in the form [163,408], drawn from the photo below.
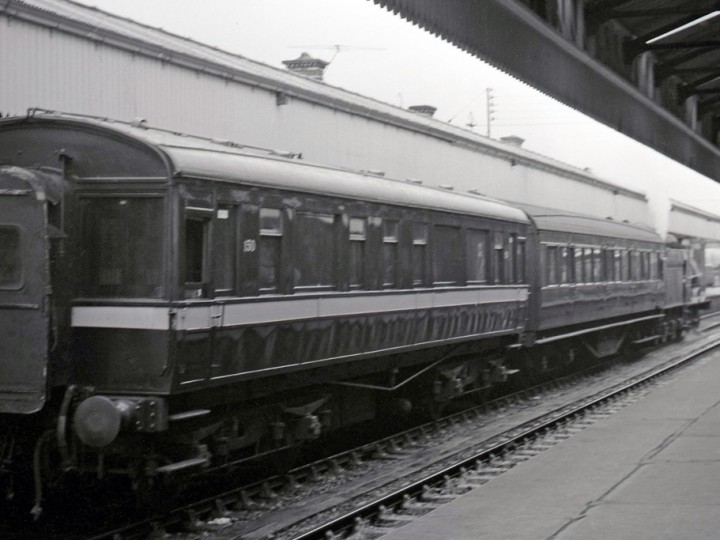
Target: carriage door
[24,284]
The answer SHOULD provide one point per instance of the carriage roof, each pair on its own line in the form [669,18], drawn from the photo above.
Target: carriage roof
[101,148]
[548,219]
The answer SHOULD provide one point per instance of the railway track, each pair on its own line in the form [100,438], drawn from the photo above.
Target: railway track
[386,483]
[491,459]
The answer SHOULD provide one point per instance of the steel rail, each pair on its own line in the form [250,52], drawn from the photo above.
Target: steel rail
[558,417]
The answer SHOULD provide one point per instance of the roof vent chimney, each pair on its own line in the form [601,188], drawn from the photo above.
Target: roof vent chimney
[513,140]
[424,110]
[306,65]
[139,123]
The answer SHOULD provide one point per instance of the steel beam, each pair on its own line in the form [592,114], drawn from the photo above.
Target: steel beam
[673,62]
[687,90]
[709,105]
[657,12]
[662,30]
[508,35]
[710,44]
[696,70]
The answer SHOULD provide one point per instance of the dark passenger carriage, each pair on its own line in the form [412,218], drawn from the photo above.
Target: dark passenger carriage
[593,275]
[198,273]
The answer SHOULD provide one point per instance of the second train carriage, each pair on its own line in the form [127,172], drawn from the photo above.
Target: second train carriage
[600,284]
[597,279]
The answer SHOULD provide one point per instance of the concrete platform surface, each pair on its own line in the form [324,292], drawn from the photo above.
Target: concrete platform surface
[649,471]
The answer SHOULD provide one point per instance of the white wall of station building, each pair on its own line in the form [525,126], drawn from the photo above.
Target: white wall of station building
[699,229]
[65,57]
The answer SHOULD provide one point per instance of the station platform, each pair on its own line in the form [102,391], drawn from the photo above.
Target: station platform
[648,471]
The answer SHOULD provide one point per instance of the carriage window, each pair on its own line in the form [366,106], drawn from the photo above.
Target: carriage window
[658,266]
[270,244]
[123,247]
[196,232]
[617,262]
[511,259]
[10,268]
[634,265]
[389,252]
[648,265]
[224,252]
[579,265]
[644,270]
[564,265]
[551,265]
[626,273]
[358,235]
[315,254]
[476,256]
[419,249]
[520,261]
[446,254]
[500,254]
[597,265]
[645,265]
[588,258]
[609,257]
[651,265]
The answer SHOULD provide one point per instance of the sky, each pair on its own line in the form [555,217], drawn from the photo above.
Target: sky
[375,53]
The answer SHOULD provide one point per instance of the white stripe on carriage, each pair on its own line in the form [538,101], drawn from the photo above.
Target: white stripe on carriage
[226,314]
[127,317]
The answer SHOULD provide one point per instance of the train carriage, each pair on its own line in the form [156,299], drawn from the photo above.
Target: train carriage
[226,297]
[598,282]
